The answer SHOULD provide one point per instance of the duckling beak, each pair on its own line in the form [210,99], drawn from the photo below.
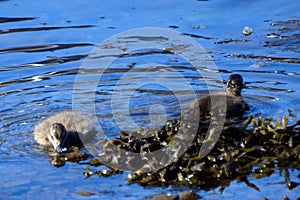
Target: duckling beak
[63,146]
[236,90]
[59,149]
[55,142]
[58,137]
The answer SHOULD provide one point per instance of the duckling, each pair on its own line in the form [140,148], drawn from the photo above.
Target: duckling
[235,105]
[64,130]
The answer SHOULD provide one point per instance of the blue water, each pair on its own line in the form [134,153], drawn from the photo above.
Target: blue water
[44,43]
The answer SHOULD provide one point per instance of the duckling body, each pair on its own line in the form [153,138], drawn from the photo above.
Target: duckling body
[229,102]
[64,130]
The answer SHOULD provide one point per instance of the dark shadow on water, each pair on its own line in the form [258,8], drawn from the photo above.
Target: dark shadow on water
[18,30]
[11,19]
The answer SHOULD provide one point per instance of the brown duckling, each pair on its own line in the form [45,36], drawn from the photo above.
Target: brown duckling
[234,106]
[64,130]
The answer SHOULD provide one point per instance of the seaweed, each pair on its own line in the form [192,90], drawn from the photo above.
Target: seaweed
[252,147]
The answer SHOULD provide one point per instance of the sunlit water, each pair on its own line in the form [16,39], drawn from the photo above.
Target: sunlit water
[43,45]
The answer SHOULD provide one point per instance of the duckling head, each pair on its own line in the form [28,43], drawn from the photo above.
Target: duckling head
[58,137]
[234,85]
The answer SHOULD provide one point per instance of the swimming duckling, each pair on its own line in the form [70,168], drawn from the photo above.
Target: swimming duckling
[64,130]
[235,105]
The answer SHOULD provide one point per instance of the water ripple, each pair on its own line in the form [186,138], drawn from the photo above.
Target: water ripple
[30,29]
[41,48]
[15,19]
[39,65]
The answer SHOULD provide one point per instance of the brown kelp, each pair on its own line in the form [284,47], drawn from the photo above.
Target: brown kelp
[253,147]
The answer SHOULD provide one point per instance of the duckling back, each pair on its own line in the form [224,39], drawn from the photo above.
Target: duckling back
[73,122]
[228,105]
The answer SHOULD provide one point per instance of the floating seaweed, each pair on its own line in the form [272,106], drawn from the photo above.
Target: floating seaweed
[75,155]
[253,147]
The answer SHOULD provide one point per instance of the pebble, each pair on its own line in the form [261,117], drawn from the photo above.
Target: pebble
[247,31]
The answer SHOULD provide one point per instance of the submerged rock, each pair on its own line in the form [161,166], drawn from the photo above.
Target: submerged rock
[185,195]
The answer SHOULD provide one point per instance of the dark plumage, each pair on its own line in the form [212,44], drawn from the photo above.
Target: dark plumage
[229,103]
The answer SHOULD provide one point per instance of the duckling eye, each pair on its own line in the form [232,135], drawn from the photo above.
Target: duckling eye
[56,135]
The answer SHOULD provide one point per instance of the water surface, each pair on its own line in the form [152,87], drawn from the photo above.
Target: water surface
[43,45]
